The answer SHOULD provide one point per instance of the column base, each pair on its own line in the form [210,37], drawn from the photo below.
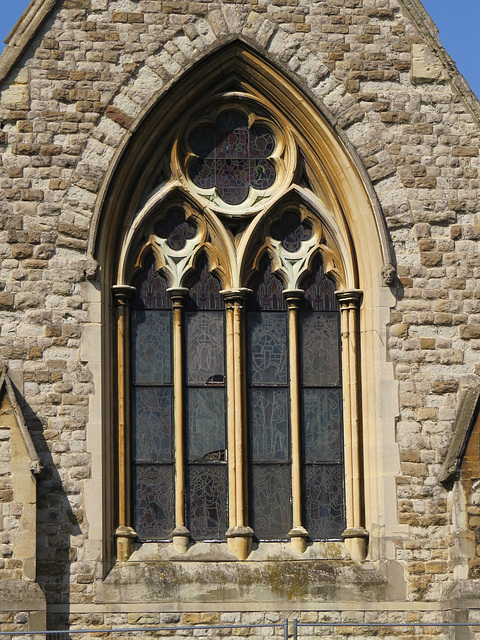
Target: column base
[356,542]
[125,537]
[240,541]
[181,539]
[298,538]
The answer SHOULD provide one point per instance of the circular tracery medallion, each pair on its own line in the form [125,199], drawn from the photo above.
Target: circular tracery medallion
[236,156]
[232,157]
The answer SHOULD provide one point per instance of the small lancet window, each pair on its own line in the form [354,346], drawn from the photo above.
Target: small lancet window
[268,407]
[321,407]
[152,406]
[205,407]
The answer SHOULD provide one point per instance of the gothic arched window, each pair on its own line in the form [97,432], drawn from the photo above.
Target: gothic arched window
[229,306]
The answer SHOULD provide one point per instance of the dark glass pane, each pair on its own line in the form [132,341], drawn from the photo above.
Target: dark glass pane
[205,425]
[151,347]
[233,180]
[324,506]
[269,420]
[153,501]
[207,491]
[204,342]
[267,289]
[267,348]
[271,511]
[319,290]
[204,289]
[202,141]
[231,138]
[320,344]
[151,288]
[322,425]
[202,173]
[262,142]
[291,231]
[176,229]
[232,158]
[262,174]
[152,424]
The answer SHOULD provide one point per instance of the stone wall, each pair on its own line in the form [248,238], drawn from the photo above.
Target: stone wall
[68,106]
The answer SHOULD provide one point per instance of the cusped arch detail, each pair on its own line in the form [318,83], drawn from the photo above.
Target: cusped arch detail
[329,236]
[177,262]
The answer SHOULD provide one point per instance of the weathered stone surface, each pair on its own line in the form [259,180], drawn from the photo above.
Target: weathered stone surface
[92,69]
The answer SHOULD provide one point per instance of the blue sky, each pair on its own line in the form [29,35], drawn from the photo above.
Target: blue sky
[458,23]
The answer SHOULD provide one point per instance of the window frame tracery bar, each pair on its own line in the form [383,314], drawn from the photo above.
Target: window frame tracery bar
[124,532]
[239,534]
[180,534]
[355,535]
[298,534]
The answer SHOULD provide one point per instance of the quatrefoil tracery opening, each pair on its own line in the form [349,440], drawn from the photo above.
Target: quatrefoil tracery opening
[232,157]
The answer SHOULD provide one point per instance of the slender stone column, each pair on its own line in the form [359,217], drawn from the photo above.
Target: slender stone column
[298,534]
[124,532]
[355,535]
[239,534]
[181,534]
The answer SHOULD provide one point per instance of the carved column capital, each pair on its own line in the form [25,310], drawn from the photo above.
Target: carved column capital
[293,297]
[349,299]
[235,297]
[177,296]
[123,293]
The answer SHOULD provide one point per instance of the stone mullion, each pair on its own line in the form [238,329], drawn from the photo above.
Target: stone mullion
[298,534]
[239,534]
[355,534]
[181,534]
[124,532]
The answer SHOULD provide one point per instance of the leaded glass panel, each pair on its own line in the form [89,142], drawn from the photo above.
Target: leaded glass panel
[205,357]
[271,509]
[267,289]
[207,490]
[320,348]
[204,289]
[319,289]
[267,348]
[176,229]
[205,424]
[151,288]
[324,513]
[291,232]
[154,506]
[152,424]
[261,142]
[151,346]
[322,425]
[269,422]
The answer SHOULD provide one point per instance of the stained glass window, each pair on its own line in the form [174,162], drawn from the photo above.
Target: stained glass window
[321,406]
[176,229]
[232,157]
[268,407]
[206,470]
[291,231]
[152,406]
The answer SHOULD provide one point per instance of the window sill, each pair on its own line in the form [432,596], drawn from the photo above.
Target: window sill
[219,552]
